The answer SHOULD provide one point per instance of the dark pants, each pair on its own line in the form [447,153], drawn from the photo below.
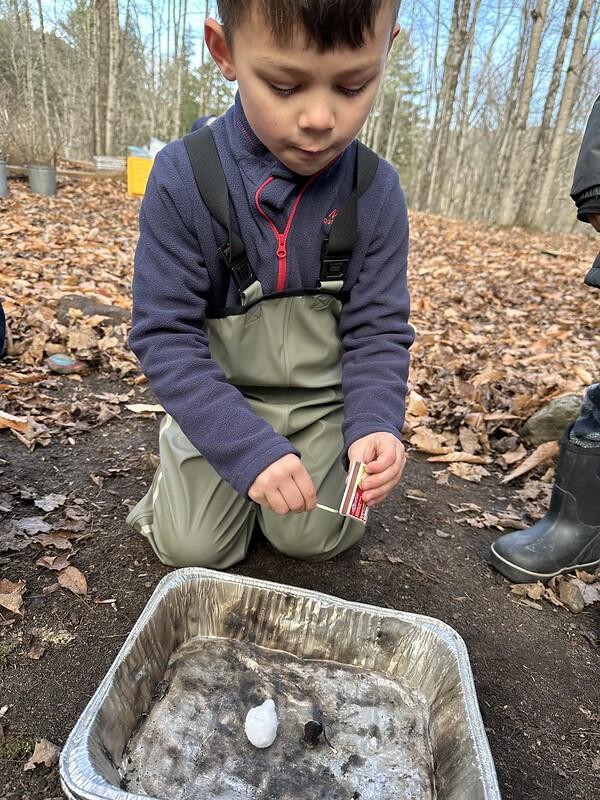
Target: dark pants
[586,430]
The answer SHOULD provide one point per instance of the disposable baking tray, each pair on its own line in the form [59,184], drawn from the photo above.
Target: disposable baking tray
[393,691]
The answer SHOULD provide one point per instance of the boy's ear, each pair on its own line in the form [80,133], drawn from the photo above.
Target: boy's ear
[214,36]
[393,34]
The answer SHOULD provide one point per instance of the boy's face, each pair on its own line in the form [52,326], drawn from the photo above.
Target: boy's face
[304,106]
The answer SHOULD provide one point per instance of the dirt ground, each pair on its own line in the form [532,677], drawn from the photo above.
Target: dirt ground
[536,669]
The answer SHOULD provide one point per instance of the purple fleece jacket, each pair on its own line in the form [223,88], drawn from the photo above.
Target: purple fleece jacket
[178,276]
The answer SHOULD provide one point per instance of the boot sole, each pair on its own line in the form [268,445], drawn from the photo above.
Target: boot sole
[517,574]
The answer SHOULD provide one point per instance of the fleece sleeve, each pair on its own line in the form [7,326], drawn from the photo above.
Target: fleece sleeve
[586,180]
[170,287]
[374,329]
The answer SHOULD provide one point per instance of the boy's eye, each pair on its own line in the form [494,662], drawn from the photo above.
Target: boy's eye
[281,89]
[353,92]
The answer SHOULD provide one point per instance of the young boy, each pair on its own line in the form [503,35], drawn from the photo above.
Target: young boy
[273,327]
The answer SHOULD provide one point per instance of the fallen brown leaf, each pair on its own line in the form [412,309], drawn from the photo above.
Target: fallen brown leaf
[36,649]
[545,452]
[50,502]
[53,540]
[45,752]
[512,456]
[469,440]
[73,580]
[11,595]
[415,405]
[31,525]
[428,442]
[12,422]
[535,591]
[56,563]
[458,456]
[145,408]
[468,472]
[590,592]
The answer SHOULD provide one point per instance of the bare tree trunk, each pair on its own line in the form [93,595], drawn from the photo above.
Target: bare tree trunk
[91,54]
[432,97]
[459,35]
[29,55]
[364,131]
[113,74]
[101,48]
[505,136]
[179,23]
[376,143]
[594,15]
[151,105]
[373,119]
[565,110]
[529,199]
[392,138]
[44,55]
[463,124]
[509,195]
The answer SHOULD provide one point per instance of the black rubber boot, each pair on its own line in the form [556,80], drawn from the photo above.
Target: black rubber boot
[568,537]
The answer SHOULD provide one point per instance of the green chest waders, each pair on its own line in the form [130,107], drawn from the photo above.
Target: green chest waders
[283,352]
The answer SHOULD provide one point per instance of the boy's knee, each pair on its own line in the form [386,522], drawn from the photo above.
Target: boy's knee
[211,546]
[320,543]
[201,553]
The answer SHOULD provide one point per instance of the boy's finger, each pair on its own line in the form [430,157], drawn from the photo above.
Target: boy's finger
[385,459]
[385,464]
[379,479]
[377,495]
[293,496]
[306,487]
[276,502]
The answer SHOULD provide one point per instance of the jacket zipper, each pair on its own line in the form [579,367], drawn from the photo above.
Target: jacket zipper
[280,236]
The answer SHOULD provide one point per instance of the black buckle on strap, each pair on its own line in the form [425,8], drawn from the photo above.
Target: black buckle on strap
[332,267]
[241,272]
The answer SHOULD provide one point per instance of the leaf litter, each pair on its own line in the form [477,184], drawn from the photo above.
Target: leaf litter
[574,592]
[478,370]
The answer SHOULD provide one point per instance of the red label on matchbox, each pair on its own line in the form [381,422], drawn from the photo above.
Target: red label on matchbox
[352,504]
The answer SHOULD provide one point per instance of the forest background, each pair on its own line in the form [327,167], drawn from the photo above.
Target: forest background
[481,109]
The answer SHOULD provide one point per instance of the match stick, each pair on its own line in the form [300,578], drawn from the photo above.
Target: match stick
[326,508]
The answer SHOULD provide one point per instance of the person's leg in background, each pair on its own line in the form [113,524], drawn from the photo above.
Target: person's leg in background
[586,429]
[568,537]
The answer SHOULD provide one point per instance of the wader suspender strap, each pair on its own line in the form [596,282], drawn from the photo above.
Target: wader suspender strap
[210,181]
[336,251]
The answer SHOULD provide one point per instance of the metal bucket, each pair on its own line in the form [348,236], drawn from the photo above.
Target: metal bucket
[42,179]
[3,179]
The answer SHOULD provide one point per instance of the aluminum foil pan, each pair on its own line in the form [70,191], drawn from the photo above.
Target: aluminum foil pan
[394,692]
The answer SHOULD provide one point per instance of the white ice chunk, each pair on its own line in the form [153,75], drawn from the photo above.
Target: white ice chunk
[261,724]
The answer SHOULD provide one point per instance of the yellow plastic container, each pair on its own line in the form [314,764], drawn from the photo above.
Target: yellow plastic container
[138,170]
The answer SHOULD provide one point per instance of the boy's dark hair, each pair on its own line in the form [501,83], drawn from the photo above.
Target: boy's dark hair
[327,23]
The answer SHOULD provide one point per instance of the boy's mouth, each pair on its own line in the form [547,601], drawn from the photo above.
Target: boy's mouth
[309,153]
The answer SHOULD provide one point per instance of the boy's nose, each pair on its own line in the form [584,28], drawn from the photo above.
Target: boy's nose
[317,117]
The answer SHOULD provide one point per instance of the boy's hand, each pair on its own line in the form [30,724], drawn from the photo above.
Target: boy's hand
[385,459]
[284,486]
